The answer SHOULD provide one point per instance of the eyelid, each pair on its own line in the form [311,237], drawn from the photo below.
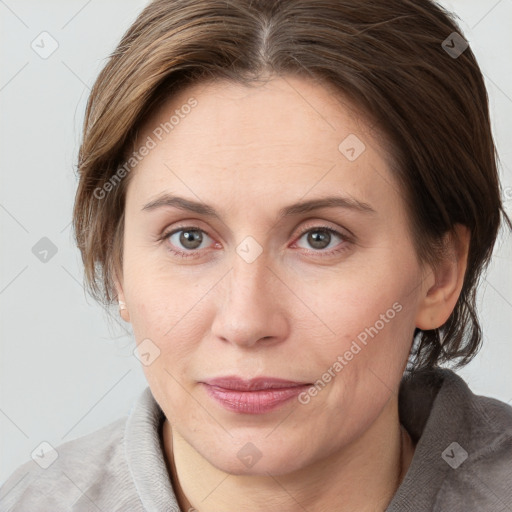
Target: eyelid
[193,224]
[319,224]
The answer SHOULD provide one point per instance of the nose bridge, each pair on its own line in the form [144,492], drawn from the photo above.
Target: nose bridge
[249,283]
[249,310]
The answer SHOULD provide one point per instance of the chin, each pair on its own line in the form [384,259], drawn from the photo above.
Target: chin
[244,457]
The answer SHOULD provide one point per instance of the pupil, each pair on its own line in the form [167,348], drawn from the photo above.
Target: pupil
[318,238]
[189,239]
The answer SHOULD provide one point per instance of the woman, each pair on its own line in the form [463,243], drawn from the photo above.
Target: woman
[290,201]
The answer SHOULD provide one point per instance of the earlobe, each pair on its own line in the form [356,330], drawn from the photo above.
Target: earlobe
[123,309]
[441,297]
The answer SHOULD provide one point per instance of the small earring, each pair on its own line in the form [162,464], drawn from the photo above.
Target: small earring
[122,305]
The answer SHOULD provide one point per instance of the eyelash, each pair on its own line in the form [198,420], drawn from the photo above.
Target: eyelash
[196,253]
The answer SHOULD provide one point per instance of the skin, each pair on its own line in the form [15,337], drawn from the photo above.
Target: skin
[290,313]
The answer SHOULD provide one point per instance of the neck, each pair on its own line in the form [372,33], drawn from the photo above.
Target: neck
[353,478]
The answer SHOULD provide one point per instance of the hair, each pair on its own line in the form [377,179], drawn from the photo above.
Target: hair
[386,56]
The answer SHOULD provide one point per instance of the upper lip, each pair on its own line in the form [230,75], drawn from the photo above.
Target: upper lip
[258,383]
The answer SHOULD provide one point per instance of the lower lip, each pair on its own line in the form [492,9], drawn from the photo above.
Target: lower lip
[253,402]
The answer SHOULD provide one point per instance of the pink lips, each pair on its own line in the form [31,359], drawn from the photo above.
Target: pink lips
[253,396]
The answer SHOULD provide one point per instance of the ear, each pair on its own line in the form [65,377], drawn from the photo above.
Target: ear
[440,297]
[123,308]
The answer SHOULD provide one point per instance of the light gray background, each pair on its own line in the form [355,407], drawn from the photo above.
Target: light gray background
[66,370]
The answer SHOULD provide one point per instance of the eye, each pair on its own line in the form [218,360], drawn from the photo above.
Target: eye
[324,239]
[187,241]
[190,238]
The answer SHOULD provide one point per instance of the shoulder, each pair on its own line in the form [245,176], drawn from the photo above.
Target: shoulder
[463,457]
[480,472]
[74,474]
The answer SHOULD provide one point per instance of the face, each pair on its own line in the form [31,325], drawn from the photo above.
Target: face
[254,275]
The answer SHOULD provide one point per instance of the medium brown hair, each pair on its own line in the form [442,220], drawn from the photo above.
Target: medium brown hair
[386,56]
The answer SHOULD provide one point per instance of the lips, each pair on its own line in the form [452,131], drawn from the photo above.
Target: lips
[256,384]
[254,396]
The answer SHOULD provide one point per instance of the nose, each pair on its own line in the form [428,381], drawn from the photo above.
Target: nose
[252,309]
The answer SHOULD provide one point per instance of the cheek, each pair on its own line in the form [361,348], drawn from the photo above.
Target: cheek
[159,298]
[174,322]
[370,318]
[358,369]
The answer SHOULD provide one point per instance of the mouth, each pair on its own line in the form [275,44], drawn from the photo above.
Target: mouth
[254,396]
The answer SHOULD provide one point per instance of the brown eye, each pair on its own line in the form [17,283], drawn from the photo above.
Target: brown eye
[321,238]
[187,239]
[190,239]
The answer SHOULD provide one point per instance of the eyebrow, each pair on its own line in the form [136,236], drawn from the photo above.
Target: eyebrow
[168,200]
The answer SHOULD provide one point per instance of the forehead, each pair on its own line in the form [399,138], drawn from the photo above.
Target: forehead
[287,137]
